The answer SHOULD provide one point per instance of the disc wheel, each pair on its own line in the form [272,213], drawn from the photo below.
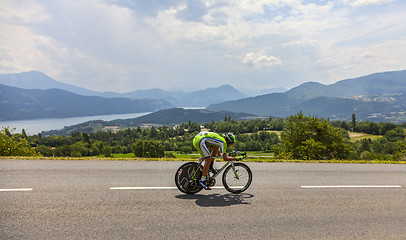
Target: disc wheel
[187,178]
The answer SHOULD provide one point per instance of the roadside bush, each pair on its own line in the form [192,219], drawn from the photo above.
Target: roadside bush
[107,151]
[45,151]
[14,144]
[186,149]
[312,138]
[169,155]
[148,149]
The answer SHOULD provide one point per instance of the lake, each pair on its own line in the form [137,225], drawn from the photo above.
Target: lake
[36,126]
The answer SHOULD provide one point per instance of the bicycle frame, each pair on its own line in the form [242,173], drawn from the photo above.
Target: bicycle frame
[236,177]
[219,171]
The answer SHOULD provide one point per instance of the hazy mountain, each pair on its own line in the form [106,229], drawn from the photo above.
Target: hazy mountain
[342,108]
[380,96]
[253,93]
[202,98]
[281,105]
[17,103]
[275,104]
[38,80]
[154,93]
[377,84]
[199,98]
[211,95]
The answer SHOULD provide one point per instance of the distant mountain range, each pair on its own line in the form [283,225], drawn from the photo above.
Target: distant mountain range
[376,97]
[18,104]
[38,80]
[377,84]
[32,95]
[200,98]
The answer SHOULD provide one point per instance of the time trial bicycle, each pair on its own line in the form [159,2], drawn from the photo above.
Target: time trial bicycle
[237,176]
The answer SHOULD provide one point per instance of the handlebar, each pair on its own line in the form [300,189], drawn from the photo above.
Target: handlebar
[237,153]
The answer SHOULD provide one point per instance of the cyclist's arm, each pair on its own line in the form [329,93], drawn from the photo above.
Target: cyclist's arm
[227,157]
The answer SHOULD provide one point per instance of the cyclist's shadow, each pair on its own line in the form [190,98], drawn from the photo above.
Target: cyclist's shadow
[218,200]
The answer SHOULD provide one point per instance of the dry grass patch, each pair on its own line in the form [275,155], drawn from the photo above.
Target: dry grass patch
[355,136]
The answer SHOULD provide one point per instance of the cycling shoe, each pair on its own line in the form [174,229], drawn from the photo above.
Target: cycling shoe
[204,185]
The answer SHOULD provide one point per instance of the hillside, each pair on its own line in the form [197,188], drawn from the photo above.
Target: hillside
[172,117]
[342,109]
[180,115]
[274,104]
[376,97]
[201,98]
[38,80]
[281,105]
[18,104]
[377,84]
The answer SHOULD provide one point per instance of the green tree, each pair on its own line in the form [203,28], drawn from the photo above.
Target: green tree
[313,138]
[186,149]
[152,133]
[14,145]
[45,150]
[148,149]
[396,134]
[353,121]
[79,149]
[107,151]
[86,138]
[24,134]
[194,127]
[364,145]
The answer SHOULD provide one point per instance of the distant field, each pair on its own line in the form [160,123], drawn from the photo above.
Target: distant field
[354,136]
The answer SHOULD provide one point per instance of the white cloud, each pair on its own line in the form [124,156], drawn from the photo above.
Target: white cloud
[360,3]
[24,11]
[259,61]
[124,45]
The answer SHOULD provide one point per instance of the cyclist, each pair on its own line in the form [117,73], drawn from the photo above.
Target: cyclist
[209,145]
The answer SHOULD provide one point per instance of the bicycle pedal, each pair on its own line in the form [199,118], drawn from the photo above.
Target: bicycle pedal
[211,182]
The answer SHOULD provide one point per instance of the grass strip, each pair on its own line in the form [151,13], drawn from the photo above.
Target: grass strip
[249,159]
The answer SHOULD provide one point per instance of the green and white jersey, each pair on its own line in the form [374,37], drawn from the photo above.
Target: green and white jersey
[204,140]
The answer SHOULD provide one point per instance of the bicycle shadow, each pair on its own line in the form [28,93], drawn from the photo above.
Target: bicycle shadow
[218,200]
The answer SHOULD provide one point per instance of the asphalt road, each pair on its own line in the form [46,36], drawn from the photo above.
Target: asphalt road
[46,199]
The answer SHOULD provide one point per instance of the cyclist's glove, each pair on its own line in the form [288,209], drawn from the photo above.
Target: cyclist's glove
[239,158]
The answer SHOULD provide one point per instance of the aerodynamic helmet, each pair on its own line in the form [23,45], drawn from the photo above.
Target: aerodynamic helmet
[229,137]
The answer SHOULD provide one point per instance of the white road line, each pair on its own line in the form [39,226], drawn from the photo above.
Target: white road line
[149,188]
[15,189]
[355,186]
[140,188]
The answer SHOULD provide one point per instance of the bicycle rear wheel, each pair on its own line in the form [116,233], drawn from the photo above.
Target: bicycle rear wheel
[239,180]
[187,178]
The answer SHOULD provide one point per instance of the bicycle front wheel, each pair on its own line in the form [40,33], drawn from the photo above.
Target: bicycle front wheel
[187,178]
[238,178]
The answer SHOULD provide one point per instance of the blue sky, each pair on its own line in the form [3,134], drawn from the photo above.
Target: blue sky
[124,45]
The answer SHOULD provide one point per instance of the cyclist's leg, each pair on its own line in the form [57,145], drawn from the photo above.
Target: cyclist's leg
[215,152]
[200,145]
[204,151]
[205,171]
[207,163]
